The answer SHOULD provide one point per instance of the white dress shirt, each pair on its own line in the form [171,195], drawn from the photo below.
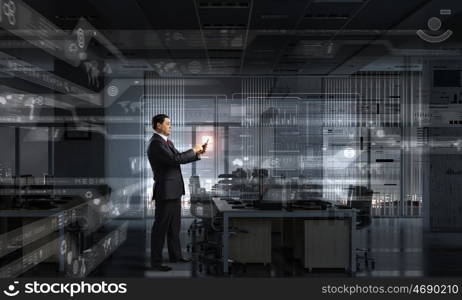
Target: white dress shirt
[163,136]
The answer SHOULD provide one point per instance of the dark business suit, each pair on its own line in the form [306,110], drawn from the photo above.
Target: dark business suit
[165,162]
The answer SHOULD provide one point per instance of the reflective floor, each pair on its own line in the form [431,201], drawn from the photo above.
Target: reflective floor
[398,247]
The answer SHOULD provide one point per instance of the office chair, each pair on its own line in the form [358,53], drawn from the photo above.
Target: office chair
[205,234]
[209,226]
[360,198]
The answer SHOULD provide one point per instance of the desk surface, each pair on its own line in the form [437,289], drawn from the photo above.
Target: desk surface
[223,207]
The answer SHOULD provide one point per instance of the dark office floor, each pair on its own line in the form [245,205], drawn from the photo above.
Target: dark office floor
[396,243]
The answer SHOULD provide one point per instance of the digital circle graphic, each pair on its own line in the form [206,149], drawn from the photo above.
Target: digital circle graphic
[112,91]
[434,24]
[194,67]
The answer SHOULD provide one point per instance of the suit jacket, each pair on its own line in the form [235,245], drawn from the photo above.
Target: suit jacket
[165,162]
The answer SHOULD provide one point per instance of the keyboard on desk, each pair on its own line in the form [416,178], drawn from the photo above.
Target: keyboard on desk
[235,203]
[312,204]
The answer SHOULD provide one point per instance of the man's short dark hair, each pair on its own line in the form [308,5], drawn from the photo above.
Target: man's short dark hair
[158,119]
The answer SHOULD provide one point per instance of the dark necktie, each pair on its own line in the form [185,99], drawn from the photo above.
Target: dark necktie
[170,145]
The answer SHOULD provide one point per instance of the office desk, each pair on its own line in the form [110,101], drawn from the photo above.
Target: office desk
[230,213]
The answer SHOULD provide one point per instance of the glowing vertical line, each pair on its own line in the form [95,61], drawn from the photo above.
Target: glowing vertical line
[370,97]
[181,107]
[260,106]
[326,89]
[159,104]
[366,99]
[246,119]
[420,98]
[350,100]
[353,104]
[396,118]
[177,104]
[174,102]
[361,102]
[374,78]
[356,107]
[183,101]
[331,102]
[176,107]
[337,102]
[167,92]
[256,91]
[326,101]
[163,96]
[169,96]
[170,99]
[379,100]
[339,117]
[171,87]
[341,101]
[334,101]
[344,103]
[392,100]
[403,118]
[411,127]
[388,79]
[336,109]
[247,116]
[382,99]
[153,98]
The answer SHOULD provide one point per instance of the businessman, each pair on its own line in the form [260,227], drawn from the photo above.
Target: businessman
[165,162]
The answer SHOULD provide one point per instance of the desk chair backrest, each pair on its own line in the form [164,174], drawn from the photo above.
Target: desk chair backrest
[360,198]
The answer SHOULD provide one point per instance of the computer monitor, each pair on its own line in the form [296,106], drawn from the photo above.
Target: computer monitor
[272,197]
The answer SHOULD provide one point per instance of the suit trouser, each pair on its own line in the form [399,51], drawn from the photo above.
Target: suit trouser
[167,222]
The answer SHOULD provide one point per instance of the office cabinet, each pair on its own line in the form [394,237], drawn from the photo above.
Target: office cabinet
[251,242]
[326,243]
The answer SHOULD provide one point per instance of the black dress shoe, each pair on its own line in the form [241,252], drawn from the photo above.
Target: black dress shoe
[181,260]
[161,268]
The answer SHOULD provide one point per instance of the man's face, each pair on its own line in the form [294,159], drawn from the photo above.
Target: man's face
[165,127]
